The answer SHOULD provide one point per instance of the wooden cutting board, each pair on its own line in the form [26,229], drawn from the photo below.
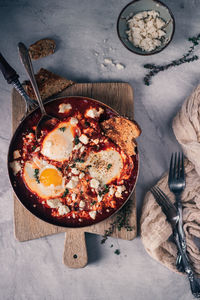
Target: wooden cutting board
[27,227]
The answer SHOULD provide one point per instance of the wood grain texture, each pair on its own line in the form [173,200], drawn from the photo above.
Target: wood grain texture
[120,97]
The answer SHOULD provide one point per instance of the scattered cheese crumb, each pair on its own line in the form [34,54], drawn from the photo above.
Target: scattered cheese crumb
[73,196]
[119,191]
[108,61]
[54,203]
[81,175]
[15,166]
[63,210]
[93,214]
[93,113]
[99,198]
[94,183]
[82,149]
[83,139]
[82,204]
[75,171]
[73,121]
[120,66]
[72,184]
[16,154]
[78,146]
[63,108]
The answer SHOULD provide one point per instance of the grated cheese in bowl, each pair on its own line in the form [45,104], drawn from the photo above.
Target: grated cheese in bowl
[146,30]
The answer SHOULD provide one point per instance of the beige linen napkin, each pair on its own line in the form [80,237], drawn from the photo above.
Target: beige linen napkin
[155,230]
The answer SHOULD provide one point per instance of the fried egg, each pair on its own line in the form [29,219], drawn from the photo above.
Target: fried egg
[43,179]
[58,144]
[105,165]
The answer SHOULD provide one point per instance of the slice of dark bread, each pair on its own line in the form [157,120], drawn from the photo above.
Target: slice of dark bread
[122,132]
[42,48]
[49,84]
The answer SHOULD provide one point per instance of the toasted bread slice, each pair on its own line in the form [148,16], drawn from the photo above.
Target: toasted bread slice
[123,132]
[42,48]
[49,84]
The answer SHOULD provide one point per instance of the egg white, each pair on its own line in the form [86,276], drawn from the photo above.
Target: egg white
[58,144]
[42,191]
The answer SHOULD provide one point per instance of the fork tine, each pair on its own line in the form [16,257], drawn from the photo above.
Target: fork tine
[178,166]
[166,199]
[182,174]
[159,199]
[171,168]
[174,169]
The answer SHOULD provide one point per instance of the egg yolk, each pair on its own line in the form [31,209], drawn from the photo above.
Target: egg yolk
[50,176]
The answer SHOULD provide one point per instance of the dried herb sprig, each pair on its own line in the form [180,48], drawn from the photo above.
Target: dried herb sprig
[186,58]
[120,221]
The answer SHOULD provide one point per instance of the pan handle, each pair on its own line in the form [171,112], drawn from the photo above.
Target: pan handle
[8,72]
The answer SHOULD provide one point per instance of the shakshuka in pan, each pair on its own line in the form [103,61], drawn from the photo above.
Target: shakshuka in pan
[75,174]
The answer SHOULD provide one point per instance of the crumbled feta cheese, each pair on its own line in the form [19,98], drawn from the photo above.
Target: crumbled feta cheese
[81,175]
[108,61]
[15,166]
[82,149]
[16,154]
[63,210]
[145,30]
[75,178]
[54,203]
[93,113]
[93,214]
[73,196]
[63,108]
[72,184]
[82,204]
[30,136]
[73,121]
[83,139]
[119,191]
[96,141]
[111,191]
[94,183]
[99,198]
[75,171]
[120,66]
[78,146]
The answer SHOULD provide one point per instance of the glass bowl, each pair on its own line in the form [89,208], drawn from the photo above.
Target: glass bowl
[137,6]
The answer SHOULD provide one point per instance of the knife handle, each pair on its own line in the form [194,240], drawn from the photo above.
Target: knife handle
[8,72]
[194,281]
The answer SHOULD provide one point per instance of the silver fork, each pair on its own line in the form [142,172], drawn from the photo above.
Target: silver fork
[176,183]
[170,211]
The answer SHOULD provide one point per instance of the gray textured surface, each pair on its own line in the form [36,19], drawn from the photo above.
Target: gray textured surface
[34,270]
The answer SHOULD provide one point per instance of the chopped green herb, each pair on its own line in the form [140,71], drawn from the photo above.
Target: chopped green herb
[65,193]
[33,148]
[87,123]
[76,140]
[62,129]
[109,166]
[79,160]
[94,202]
[117,251]
[74,165]
[60,169]
[122,220]
[104,191]
[81,192]
[89,166]
[66,167]
[36,175]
